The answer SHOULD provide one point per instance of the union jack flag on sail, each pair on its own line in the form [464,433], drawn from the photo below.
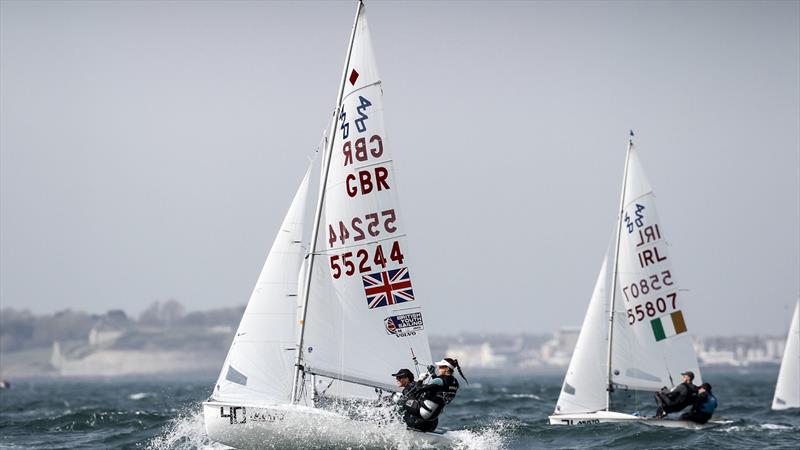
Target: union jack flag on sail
[388,288]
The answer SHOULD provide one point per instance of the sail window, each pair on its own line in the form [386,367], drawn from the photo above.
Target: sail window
[234,376]
[569,389]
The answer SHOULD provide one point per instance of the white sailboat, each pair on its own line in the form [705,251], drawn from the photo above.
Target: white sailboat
[787,390]
[335,323]
[634,335]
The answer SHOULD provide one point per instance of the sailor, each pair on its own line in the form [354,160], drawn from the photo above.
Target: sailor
[405,380]
[678,397]
[703,406]
[425,402]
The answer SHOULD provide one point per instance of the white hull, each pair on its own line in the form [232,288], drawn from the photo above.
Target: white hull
[283,426]
[592,417]
[615,417]
[686,424]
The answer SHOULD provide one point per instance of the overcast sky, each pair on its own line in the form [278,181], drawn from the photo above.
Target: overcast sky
[149,150]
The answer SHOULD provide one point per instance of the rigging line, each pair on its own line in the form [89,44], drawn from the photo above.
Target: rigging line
[325,252]
[364,166]
[650,192]
[614,273]
[361,89]
[320,201]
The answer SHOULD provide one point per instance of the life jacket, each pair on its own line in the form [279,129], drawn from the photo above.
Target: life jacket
[709,406]
[434,398]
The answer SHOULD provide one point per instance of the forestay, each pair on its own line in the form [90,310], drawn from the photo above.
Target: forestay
[787,390]
[258,368]
[651,344]
[363,314]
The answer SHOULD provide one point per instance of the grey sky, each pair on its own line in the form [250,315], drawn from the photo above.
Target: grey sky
[150,149]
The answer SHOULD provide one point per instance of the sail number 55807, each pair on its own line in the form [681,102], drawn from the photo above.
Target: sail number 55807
[644,286]
[348,264]
[650,309]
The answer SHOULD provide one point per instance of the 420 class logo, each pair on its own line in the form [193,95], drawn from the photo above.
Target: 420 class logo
[404,324]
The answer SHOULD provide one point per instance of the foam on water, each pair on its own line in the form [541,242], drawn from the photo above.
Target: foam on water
[140,395]
[533,396]
[495,435]
[758,427]
[184,432]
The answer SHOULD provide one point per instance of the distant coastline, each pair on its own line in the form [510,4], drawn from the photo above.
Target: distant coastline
[165,339]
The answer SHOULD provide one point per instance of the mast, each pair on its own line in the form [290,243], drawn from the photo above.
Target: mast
[614,273]
[298,367]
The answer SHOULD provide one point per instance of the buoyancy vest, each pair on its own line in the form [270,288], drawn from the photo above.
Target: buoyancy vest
[434,396]
[709,406]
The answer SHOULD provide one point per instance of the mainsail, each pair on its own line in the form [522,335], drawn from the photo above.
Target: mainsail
[258,368]
[787,390]
[649,341]
[363,315]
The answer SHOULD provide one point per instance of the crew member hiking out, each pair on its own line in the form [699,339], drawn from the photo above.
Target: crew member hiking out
[703,406]
[677,398]
[424,402]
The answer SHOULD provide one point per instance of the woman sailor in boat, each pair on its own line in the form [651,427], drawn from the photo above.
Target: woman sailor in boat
[425,402]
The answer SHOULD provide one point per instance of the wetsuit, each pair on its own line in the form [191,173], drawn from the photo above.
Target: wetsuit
[703,408]
[676,399]
[425,402]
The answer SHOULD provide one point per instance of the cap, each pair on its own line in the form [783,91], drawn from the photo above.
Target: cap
[404,373]
[689,373]
[706,386]
[445,364]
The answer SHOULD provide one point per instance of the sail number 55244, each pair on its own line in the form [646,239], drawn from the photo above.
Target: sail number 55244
[349,263]
[370,223]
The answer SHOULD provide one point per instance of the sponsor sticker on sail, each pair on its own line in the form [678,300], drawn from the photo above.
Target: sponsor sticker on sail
[668,325]
[404,324]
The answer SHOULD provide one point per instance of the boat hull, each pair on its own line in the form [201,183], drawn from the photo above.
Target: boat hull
[592,418]
[282,426]
[615,417]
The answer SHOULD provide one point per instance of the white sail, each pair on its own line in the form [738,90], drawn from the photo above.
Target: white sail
[651,344]
[584,388]
[787,390]
[260,362]
[363,314]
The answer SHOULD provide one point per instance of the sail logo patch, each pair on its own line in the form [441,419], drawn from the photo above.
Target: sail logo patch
[667,326]
[353,77]
[404,324]
[387,288]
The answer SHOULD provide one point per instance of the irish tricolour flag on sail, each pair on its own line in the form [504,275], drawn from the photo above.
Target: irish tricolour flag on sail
[668,325]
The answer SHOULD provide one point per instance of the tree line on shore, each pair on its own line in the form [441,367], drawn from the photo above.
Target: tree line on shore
[23,330]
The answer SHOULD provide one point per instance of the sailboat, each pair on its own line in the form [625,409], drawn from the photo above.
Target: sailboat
[326,327]
[634,335]
[787,390]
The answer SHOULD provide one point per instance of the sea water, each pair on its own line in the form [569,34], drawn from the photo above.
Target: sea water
[494,411]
